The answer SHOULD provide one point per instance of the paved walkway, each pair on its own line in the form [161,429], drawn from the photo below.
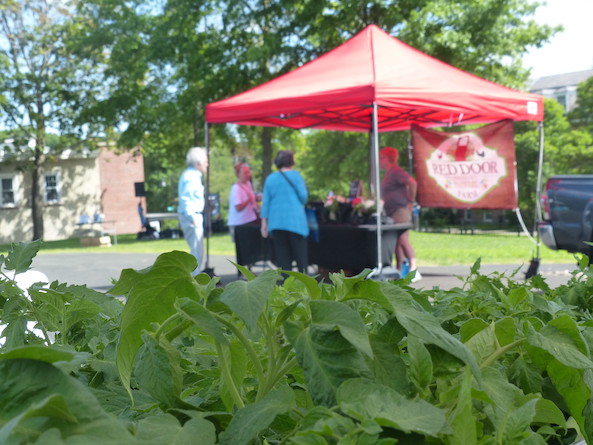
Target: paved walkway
[98,270]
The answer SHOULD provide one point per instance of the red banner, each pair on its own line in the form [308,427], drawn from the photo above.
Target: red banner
[466,170]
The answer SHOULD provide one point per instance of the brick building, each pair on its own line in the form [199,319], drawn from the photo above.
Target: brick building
[77,190]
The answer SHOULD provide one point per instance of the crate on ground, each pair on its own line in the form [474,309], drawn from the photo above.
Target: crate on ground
[94,241]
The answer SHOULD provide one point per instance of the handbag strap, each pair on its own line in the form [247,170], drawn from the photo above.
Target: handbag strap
[291,184]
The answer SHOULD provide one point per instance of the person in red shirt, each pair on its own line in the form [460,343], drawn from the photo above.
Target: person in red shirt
[398,192]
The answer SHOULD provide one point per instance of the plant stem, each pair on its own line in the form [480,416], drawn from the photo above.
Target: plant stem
[33,310]
[499,352]
[228,377]
[165,324]
[247,345]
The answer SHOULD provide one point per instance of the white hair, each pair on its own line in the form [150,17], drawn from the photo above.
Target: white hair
[196,156]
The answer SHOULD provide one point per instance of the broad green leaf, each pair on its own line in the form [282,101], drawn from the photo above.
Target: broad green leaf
[248,298]
[470,328]
[427,328]
[202,318]
[419,364]
[526,375]
[363,400]
[60,310]
[335,315]
[349,287]
[388,368]
[164,429]
[512,413]
[15,330]
[327,359]
[516,422]
[53,407]
[568,325]
[49,354]
[21,256]
[368,290]
[518,295]
[475,269]
[505,331]
[158,370]
[246,272]
[483,344]
[151,296]
[546,411]
[588,409]
[583,262]
[463,419]
[250,420]
[533,439]
[311,284]
[36,396]
[560,345]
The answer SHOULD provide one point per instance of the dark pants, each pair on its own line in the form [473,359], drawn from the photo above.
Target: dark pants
[289,247]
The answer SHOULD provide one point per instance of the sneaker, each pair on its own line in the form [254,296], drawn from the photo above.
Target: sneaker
[417,276]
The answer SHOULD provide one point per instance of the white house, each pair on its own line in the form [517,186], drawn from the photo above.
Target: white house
[78,189]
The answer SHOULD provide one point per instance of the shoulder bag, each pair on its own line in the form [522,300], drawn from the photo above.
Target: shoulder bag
[310,213]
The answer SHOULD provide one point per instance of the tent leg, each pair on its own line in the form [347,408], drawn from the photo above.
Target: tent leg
[207,211]
[375,143]
[535,261]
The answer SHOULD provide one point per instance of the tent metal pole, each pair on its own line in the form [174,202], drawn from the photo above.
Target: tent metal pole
[372,171]
[532,270]
[207,209]
[375,134]
[540,165]
[538,192]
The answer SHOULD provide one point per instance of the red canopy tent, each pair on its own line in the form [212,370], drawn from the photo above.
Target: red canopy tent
[375,83]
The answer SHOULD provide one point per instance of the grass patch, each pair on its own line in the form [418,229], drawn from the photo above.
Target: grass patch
[444,249]
[432,249]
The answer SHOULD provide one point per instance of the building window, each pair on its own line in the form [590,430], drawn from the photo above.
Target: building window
[52,188]
[488,216]
[7,191]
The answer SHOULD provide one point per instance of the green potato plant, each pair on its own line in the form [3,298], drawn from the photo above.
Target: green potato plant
[167,358]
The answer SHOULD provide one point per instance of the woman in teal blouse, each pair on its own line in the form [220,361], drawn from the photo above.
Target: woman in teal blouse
[283,213]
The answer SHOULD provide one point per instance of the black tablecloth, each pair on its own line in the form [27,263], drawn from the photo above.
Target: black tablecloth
[341,246]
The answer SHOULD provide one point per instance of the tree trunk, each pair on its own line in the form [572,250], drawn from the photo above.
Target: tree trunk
[266,141]
[37,194]
[37,177]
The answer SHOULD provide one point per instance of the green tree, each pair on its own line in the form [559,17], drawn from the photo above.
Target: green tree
[167,59]
[42,86]
[566,151]
[581,116]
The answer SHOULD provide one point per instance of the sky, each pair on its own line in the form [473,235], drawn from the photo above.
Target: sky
[570,50]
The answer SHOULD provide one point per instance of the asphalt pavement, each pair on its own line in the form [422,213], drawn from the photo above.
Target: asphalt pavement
[99,270]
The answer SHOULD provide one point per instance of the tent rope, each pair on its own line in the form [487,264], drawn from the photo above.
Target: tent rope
[523,226]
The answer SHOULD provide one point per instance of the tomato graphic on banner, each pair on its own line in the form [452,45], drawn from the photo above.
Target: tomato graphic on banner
[471,169]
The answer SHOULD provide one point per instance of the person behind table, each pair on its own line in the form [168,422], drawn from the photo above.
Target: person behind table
[192,203]
[283,213]
[398,191]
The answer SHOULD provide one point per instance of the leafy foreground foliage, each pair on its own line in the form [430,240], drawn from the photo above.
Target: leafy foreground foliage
[354,362]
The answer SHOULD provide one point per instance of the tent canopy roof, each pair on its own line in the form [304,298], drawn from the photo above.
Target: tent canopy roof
[337,90]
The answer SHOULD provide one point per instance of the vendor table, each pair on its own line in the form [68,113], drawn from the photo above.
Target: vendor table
[340,247]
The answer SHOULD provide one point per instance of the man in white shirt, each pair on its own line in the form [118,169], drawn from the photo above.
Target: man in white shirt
[192,203]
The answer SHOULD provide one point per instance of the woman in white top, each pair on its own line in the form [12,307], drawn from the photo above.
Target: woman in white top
[242,201]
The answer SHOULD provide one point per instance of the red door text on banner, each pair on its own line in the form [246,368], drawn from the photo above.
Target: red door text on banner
[466,170]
